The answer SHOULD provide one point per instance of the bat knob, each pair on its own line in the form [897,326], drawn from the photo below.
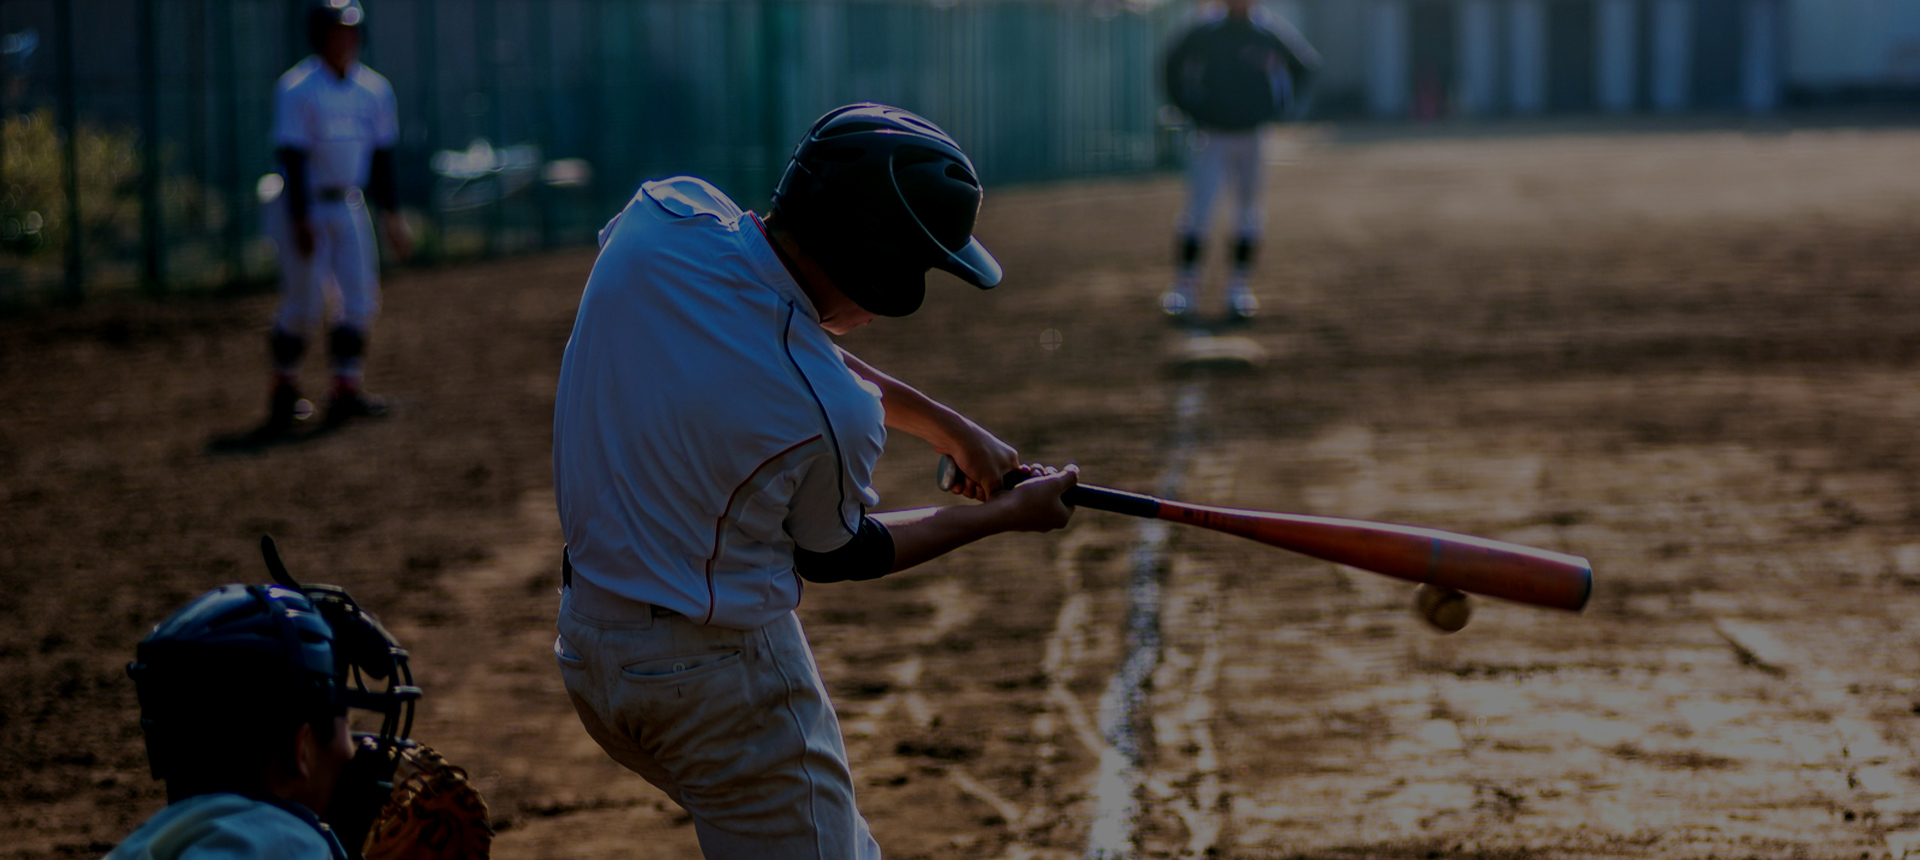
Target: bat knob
[1444,608]
[947,475]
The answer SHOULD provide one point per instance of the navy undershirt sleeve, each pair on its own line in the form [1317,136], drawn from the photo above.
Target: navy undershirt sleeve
[869,555]
[293,166]
[383,187]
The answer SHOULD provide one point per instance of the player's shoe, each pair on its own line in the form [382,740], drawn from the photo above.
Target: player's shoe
[1241,303]
[349,402]
[1178,302]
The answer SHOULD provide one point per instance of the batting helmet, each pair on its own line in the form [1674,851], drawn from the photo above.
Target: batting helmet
[322,14]
[877,196]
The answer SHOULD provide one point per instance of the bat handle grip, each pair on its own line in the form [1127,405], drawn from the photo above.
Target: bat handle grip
[948,475]
[1083,496]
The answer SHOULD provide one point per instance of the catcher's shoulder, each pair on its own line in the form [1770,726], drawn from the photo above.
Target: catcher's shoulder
[225,826]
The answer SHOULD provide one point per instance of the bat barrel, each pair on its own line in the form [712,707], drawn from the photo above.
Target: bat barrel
[1430,556]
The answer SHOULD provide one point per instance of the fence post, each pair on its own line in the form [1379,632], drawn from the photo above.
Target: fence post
[541,74]
[152,242]
[228,73]
[426,31]
[70,124]
[772,119]
[198,123]
[486,52]
[594,147]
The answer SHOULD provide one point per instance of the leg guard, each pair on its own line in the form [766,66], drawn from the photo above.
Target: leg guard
[287,350]
[349,348]
[1187,251]
[1244,250]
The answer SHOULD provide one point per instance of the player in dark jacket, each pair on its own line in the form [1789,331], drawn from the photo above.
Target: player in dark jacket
[1236,70]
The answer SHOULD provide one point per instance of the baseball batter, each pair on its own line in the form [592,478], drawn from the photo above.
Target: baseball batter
[714,450]
[335,125]
[1235,71]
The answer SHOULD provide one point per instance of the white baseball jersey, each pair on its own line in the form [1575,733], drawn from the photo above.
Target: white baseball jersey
[225,827]
[338,122]
[705,423]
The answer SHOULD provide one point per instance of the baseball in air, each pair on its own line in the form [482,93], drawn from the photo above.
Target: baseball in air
[1447,610]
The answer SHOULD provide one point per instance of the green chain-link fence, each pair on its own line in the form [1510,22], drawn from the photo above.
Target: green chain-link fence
[136,130]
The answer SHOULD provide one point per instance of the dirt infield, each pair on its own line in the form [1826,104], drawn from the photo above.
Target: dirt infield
[1690,357]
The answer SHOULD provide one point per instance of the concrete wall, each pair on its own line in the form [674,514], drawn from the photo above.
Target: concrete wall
[1523,57]
[1852,43]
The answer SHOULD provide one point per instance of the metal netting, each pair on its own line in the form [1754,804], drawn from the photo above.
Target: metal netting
[525,123]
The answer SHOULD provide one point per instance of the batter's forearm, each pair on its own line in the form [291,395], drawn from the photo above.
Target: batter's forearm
[924,534]
[907,409]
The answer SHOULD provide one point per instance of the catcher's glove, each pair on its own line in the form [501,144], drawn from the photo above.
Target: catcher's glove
[434,813]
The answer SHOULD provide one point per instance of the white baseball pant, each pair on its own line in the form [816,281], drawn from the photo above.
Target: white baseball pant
[734,725]
[1216,158]
[344,270]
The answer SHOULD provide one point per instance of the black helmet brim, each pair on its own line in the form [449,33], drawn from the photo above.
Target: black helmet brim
[973,264]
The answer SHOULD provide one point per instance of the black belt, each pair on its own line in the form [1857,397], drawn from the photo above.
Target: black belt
[334,195]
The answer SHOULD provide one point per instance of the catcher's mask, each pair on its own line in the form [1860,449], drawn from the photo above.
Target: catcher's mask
[877,196]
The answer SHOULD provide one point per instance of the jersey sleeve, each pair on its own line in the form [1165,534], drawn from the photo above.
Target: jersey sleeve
[1302,59]
[1173,70]
[830,500]
[386,120]
[292,123]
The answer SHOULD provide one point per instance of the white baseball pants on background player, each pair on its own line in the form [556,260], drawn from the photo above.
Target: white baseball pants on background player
[344,268]
[1217,158]
[734,725]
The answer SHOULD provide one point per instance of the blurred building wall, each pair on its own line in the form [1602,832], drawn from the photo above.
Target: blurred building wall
[1426,59]
[1853,49]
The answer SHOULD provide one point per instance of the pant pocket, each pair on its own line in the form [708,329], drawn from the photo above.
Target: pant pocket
[678,668]
[568,656]
[692,714]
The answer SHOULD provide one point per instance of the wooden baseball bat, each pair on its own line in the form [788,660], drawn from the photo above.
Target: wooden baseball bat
[1475,565]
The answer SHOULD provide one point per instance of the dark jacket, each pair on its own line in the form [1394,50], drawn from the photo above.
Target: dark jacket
[1235,74]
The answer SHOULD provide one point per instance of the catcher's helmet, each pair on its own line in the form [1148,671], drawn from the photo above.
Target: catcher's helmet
[322,14]
[245,653]
[878,196]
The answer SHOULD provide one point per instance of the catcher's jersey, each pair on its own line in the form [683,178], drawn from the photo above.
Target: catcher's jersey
[705,423]
[338,122]
[228,827]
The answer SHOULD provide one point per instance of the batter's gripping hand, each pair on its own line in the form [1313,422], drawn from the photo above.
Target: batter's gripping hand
[435,813]
[978,452]
[1035,505]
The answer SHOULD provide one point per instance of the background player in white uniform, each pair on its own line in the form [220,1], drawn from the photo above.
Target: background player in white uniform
[1233,72]
[335,125]
[713,448]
